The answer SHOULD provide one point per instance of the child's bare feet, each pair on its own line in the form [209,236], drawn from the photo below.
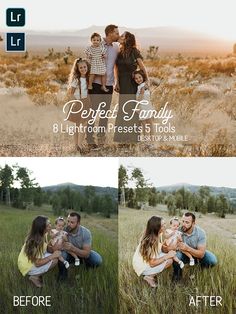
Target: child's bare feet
[90,87]
[151,281]
[106,90]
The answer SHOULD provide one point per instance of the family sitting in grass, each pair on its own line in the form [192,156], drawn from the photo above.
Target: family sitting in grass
[180,246]
[70,244]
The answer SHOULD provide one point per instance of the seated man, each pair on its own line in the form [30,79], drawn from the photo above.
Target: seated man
[79,242]
[194,242]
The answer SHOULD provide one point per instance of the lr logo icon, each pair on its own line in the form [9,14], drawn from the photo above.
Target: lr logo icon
[15,17]
[15,42]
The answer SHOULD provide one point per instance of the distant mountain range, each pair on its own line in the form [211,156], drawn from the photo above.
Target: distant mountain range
[169,39]
[74,187]
[229,192]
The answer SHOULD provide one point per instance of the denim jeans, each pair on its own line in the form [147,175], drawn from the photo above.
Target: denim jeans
[208,260]
[93,260]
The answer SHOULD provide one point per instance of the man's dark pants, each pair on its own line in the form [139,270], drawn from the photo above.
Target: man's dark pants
[93,260]
[208,260]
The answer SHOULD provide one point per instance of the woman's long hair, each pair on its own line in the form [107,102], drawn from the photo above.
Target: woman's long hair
[151,238]
[75,73]
[35,239]
[128,45]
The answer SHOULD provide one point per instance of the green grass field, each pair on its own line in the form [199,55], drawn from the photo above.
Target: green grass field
[137,297]
[87,291]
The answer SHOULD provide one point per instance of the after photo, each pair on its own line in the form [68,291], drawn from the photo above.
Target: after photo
[59,235]
[177,235]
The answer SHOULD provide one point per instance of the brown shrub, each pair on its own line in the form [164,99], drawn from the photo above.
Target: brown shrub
[62,73]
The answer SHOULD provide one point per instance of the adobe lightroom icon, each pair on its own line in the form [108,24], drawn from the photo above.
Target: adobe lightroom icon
[15,17]
[15,42]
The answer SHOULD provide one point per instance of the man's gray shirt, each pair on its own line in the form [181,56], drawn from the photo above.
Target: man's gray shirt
[81,238]
[196,238]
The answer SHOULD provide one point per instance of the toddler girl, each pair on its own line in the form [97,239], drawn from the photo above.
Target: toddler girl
[96,54]
[58,236]
[143,93]
[173,235]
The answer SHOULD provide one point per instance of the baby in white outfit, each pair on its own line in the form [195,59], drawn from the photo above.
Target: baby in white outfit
[172,236]
[58,235]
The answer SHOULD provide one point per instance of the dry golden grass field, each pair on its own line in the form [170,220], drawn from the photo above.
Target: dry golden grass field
[200,91]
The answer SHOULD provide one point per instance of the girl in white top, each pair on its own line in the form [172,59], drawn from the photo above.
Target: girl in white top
[96,54]
[173,236]
[148,259]
[143,93]
[78,90]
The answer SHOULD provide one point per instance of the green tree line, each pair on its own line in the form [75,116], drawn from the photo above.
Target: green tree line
[202,201]
[18,189]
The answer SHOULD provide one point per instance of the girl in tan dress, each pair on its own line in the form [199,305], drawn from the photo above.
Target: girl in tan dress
[78,90]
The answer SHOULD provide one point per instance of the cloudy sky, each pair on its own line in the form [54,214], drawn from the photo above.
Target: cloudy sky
[215,17]
[197,171]
[83,171]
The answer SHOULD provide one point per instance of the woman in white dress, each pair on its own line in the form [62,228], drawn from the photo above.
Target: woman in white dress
[148,259]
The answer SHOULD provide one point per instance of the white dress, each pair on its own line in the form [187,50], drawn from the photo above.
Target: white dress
[83,87]
[96,58]
[81,93]
[174,238]
[144,108]
[59,236]
[141,267]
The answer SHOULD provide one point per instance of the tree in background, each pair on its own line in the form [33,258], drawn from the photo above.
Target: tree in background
[131,200]
[122,183]
[171,204]
[153,197]
[202,201]
[56,205]
[6,181]
[222,205]
[107,205]
[89,193]
[27,185]
[141,186]
[29,193]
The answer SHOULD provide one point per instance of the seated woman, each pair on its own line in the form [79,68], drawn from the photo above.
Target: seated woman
[34,260]
[148,260]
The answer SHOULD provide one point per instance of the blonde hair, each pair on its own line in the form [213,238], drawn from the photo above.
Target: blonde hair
[174,219]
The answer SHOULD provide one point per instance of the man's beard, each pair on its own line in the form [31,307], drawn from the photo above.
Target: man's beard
[184,229]
[69,229]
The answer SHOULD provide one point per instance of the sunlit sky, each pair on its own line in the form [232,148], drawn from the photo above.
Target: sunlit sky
[216,18]
[217,172]
[82,171]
